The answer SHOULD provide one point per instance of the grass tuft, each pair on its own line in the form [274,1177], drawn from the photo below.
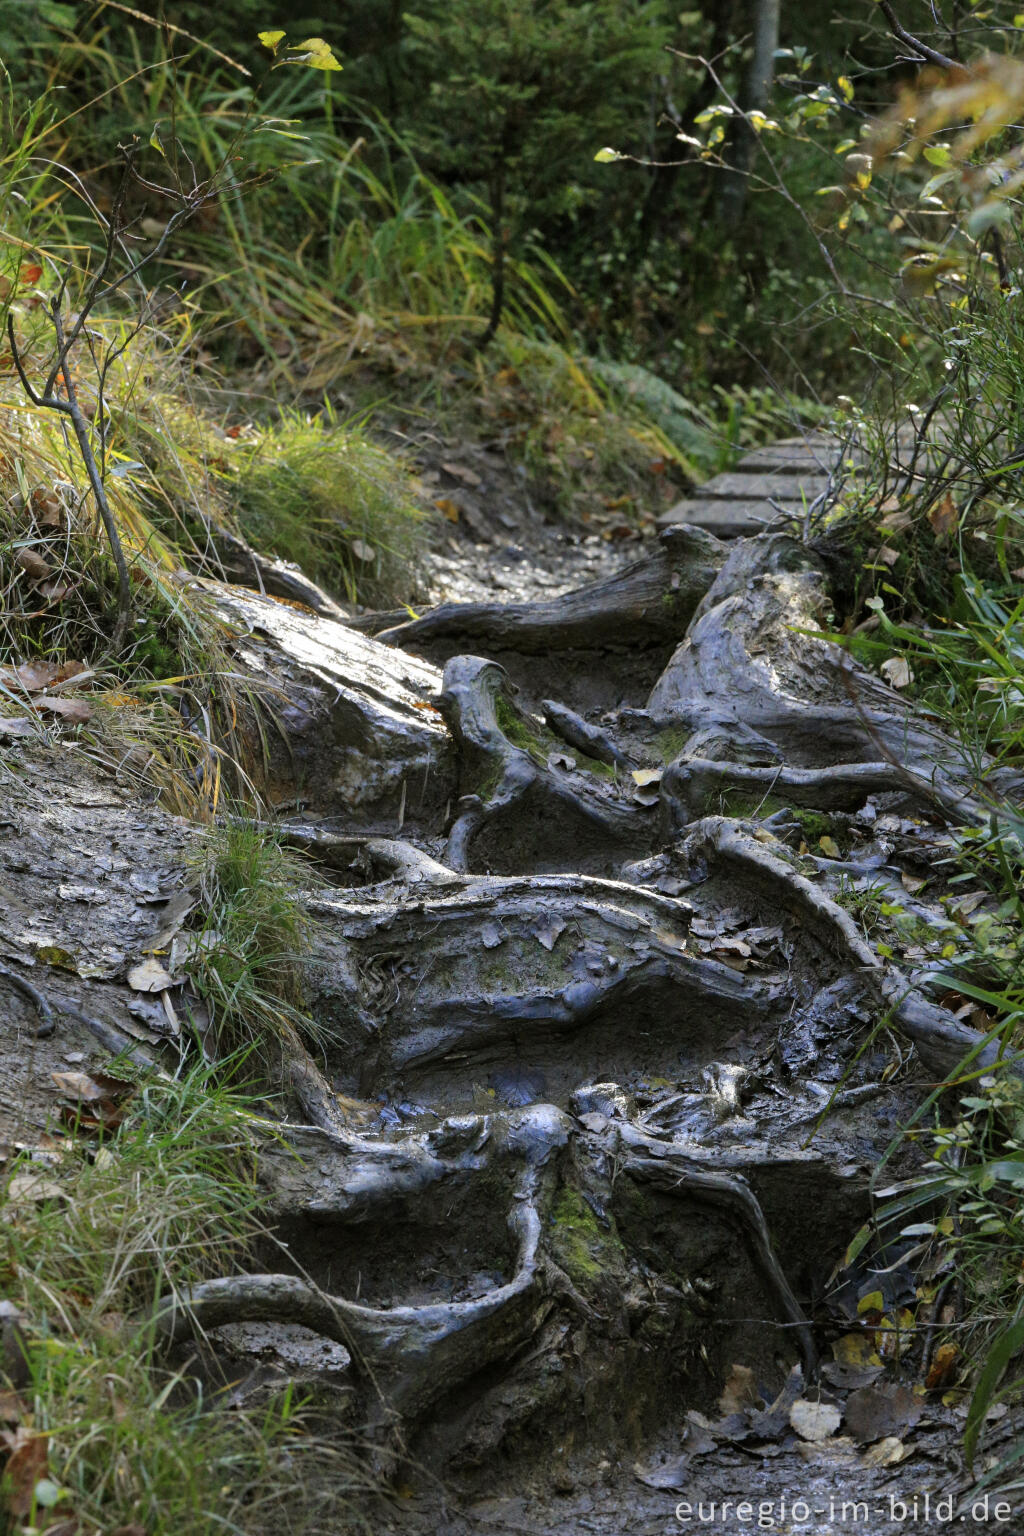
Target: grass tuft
[248,958]
[324,495]
[119,1439]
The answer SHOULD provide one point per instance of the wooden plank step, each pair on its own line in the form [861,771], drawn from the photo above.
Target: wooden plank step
[727,518]
[759,486]
[816,452]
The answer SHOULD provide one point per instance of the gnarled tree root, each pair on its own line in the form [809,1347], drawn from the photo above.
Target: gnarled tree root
[505,760]
[649,603]
[942,1040]
[692,786]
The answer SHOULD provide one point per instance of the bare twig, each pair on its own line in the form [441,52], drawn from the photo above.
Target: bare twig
[925,54]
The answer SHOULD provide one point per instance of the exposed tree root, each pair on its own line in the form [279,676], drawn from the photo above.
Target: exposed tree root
[506,761]
[675,1043]
[942,1040]
[648,603]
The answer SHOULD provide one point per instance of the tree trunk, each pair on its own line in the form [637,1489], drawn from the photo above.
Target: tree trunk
[757,97]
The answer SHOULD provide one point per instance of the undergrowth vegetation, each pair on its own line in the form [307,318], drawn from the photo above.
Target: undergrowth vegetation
[328,497]
[100,1236]
[249,951]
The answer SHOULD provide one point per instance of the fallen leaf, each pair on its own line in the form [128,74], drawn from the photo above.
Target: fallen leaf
[31,1188]
[57,591]
[944,517]
[87,1089]
[26,1464]
[672,1473]
[912,883]
[881,1410]
[449,508]
[856,1349]
[149,976]
[75,710]
[829,847]
[34,676]
[814,1421]
[518,1086]
[887,1453]
[548,929]
[13,1408]
[30,272]
[460,472]
[897,672]
[943,1368]
[739,1391]
[78,1085]
[60,959]
[644,777]
[19,725]
[363,552]
[171,919]
[773,1421]
[33,564]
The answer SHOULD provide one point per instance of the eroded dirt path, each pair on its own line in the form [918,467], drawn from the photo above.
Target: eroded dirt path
[609,1068]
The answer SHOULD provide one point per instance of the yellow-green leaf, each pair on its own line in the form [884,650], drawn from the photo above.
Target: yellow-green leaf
[315,53]
[603,156]
[271,40]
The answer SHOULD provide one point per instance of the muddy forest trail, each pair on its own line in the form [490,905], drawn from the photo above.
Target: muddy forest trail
[606,1063]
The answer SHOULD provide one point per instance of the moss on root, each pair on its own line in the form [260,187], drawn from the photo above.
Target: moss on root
[586,1250]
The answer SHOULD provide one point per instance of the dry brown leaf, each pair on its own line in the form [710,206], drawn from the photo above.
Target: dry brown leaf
[57,591]
[26,1464]
[814,1421]
[13,1407]
[887,1453]
[34,676]
[149,976]
[31,1188]
[881,1410]
[943,1368]
[944,517]
[460,472]
[912,883]
[78,1085]
[897,672]
[449,508]
[739,1391]
[75,710]
[20,725]
[33,564]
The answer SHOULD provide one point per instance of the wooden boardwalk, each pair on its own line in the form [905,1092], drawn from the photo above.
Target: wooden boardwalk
[768,484]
